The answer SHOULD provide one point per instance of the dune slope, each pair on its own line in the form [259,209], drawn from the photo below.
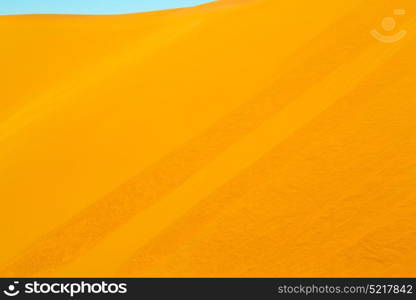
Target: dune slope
[236,138]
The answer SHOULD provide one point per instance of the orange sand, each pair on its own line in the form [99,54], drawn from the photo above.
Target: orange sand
[237,138]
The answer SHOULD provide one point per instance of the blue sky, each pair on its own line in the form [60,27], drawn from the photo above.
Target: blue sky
[89,6]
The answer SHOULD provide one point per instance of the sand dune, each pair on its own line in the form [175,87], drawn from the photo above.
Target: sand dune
[235,138]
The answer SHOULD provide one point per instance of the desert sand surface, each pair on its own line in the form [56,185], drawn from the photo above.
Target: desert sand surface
[239,138]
